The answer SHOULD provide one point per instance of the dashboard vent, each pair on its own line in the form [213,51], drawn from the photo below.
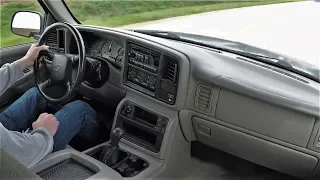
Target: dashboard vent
[55,41]
[204,98]
[170,70]
[52,39]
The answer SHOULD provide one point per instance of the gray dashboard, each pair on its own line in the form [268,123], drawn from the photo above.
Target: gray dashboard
[229,102]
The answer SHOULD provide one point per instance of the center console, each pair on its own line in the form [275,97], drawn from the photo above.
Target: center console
[152,73]
[142,127]
[114,160]
[128,165]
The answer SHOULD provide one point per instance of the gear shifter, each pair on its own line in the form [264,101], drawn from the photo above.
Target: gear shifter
[109,154]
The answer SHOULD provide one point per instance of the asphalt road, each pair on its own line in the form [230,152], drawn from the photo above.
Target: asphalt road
[292,29]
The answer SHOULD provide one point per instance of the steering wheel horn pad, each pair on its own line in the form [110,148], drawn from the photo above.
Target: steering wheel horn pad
[60,69]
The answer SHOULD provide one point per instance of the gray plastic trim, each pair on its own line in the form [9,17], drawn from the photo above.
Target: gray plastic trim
[191,114]
[265,96]
[314,136]
[277,122]
[257,150]
[108,93]
[173,138]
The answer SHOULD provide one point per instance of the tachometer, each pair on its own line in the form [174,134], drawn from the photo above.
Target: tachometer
[96,49]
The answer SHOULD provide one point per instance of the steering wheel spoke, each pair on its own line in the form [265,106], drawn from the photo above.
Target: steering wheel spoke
[69,85]
[45,84]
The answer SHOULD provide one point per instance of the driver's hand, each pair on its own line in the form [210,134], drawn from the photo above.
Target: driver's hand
[32,55]
[47,121]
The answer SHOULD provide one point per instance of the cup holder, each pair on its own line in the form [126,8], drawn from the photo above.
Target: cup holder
[131,166]
[128,165]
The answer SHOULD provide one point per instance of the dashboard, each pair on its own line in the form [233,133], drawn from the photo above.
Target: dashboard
[223,100]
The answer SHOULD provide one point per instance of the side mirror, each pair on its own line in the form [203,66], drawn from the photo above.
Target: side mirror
[26,23]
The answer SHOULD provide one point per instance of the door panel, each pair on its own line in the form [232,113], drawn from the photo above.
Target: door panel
[13,53]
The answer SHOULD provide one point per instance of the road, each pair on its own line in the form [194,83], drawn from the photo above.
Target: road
[292,29]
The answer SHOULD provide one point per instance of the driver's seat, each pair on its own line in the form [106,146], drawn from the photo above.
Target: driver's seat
[11,168]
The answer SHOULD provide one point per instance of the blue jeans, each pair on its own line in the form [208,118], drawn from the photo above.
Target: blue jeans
[74,118]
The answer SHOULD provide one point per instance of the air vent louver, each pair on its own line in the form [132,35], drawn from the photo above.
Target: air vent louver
[55,41]
[204,98]
[52,39]
[171,69]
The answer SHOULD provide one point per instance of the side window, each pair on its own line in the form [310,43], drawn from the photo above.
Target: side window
[8,8]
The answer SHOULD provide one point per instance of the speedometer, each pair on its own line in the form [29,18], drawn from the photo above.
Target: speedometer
[106,49]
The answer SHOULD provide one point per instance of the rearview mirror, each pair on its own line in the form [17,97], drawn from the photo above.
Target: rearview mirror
[26,23]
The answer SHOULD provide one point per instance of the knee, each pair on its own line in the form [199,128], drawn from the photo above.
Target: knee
[82,107]
[32,92]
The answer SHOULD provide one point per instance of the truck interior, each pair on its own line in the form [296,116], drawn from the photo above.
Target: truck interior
[168,109]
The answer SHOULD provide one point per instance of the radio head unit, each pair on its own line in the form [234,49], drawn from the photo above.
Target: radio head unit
[147,60]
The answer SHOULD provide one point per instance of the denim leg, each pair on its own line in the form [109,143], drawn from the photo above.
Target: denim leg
[74,118]
[16,116]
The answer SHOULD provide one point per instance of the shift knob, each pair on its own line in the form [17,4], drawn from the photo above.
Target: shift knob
[116,135]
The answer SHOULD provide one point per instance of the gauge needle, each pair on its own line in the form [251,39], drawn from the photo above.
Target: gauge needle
[110,46]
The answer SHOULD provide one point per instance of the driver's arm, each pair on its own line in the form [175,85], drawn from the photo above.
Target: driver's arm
[9,73]
[30,148]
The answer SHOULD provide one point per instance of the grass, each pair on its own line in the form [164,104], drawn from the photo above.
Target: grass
[115,21]
[113,13]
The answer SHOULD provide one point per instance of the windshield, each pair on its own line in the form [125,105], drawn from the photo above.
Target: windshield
[281,26]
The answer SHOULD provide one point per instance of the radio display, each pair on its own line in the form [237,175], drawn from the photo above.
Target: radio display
[141,57]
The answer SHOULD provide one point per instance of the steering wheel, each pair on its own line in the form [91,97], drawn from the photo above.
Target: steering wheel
[66,70]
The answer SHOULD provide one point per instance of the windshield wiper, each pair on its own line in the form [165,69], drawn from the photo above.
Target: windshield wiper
[258,57]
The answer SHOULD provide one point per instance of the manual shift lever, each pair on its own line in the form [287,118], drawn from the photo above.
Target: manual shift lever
[109,155]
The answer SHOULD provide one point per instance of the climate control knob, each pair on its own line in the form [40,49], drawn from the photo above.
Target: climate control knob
[141,77]
[132,55]
[132,74]
[150,81]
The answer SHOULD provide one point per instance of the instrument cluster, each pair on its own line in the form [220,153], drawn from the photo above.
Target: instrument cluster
[107,49]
